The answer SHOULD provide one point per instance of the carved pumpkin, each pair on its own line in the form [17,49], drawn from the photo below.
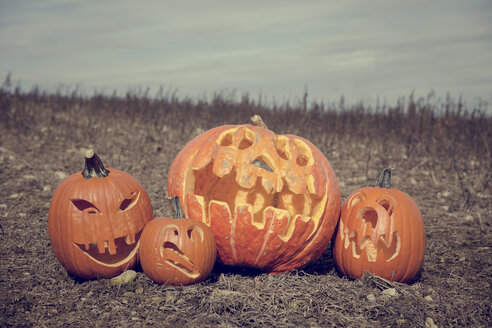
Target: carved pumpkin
[272,201]
[95,220]
[380,231]
[177,251]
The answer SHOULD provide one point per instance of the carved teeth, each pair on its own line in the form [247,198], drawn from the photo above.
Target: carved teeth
[130,239]
[111,246]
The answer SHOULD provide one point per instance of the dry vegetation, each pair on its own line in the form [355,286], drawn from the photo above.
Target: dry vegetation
[444,153]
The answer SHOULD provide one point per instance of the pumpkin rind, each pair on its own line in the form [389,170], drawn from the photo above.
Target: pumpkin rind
[95,223]
[177,251]
[380,231]
[272,201]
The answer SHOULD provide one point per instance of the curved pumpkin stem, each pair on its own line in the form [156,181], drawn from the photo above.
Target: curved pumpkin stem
[384,178]
[176,208]
[94,167]
[258,121]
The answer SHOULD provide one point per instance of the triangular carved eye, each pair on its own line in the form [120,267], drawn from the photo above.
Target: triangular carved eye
[85,206]
[262,164]
[129,202]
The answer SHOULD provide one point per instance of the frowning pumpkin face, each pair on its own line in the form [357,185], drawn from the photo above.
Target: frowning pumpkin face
[272,201]
[95,221]
[177,251]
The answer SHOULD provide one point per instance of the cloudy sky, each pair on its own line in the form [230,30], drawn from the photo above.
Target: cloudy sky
[360,49]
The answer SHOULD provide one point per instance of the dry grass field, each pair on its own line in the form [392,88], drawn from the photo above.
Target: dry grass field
[442,148]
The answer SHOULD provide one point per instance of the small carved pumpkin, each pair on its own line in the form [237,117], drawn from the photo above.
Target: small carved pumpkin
[380,231]
[177,251]
[95,220]
[272,201]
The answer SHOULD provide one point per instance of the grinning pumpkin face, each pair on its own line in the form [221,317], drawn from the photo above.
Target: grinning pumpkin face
[95,223]
[272,201]
[177,251]
[380,231]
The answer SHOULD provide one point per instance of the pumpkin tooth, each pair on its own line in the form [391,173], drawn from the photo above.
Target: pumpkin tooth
[87,246]
[101,247]
[130,239]
[111,246]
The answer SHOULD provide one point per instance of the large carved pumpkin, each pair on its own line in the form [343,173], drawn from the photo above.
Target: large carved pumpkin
[177,250]
[95,220]
[380,231]
[272,201]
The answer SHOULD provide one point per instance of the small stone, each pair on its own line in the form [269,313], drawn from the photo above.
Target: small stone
[128,294]
[429,298]
[139,290]
[158,299]
[462,259]
[14,196]
[22,215]
[389,292]
[446,194]
[296,304]
[445,207]
[46,188]
[125,278]
[413,181]
[468,218]
[371,297]
[29,177]
[429,323]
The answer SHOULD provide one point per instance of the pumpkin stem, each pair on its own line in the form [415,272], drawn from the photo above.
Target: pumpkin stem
[176,208]
[384,178]
[258,121]
[94,167]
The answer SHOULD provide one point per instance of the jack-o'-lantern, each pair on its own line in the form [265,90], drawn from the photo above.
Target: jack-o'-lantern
[177,251]
[272,201]
[380,231]
[95,220]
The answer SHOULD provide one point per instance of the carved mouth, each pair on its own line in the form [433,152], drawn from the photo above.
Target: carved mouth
[112,252]
[388,249]
[176,259]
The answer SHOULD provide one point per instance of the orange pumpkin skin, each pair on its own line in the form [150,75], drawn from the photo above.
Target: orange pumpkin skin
[95,223]
[380,231]
[177,251]
[271,201]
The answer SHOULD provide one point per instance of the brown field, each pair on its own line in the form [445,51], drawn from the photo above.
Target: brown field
[442,148]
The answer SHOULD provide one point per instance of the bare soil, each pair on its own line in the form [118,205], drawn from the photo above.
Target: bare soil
[442,149]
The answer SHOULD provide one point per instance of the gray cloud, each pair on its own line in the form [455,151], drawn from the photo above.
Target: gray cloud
[362,49]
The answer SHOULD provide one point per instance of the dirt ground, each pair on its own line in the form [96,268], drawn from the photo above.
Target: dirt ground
[444,162]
